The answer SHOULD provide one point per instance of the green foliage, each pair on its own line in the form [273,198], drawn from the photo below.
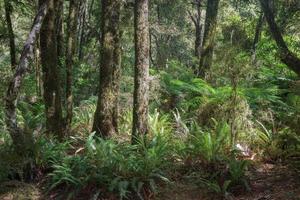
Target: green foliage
[278,145]
[120,168]
[210,147]
[223,182]
[237,176]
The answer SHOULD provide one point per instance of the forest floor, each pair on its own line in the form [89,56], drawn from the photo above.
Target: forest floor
[268,182]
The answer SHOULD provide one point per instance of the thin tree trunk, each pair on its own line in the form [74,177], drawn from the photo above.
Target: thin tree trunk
[209,37]
[8,11]
[81,40]
[162,41]
[60,30]
[286,56]
[258,30]
[38,76]
[51,77]
[141,76]
[15,84]
[104,120]
[70,53]
[198,26]
[196,19]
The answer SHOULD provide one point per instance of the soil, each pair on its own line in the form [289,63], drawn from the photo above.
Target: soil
[267,181]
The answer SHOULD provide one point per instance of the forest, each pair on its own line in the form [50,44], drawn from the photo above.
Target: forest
[149,99]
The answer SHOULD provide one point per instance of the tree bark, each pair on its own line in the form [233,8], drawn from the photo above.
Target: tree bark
[209,37]
[104,120]
[59,6]
[198,27]
[286,56]
[70,53]
[15,84]
[82,25]
[8,11]
[38,71]
[51,76]
[258,30]
[141,77]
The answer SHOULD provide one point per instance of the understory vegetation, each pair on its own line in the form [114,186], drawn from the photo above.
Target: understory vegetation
[83,124]
[207,139]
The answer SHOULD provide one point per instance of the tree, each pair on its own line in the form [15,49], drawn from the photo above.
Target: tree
[141,75]
[196,18]
[105,119]
[51,77]
[15,84]
[286,56]
[70,53]
[59,21]
[258,30]
[209,37]
[8,10]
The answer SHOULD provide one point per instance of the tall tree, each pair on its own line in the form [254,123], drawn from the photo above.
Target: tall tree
[209,37]
[51,77]
[15,84]
[141,75]
[70,53]
[8,11]
[105,122]
[286,56]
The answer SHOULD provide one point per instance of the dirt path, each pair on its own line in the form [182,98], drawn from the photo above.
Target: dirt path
[273,182]
[268,182]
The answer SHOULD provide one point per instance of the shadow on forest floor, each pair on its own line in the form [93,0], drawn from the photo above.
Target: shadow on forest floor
[268,182]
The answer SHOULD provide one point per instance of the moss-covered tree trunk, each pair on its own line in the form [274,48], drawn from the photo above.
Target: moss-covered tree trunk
[51,76]
[8,11]
[105,123]
[141,76]
[70,53]
[286,56]
[209,37]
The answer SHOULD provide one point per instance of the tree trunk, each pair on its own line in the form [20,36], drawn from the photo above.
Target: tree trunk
[15,131]
[60,30]
[286,56]
[104,120]
[162,41]
[82,26]
[8,11]
[38,71]
[51,76]
[70,53]
[141,76]
[209,37]
[258,30]
[198,30]
[198,27]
